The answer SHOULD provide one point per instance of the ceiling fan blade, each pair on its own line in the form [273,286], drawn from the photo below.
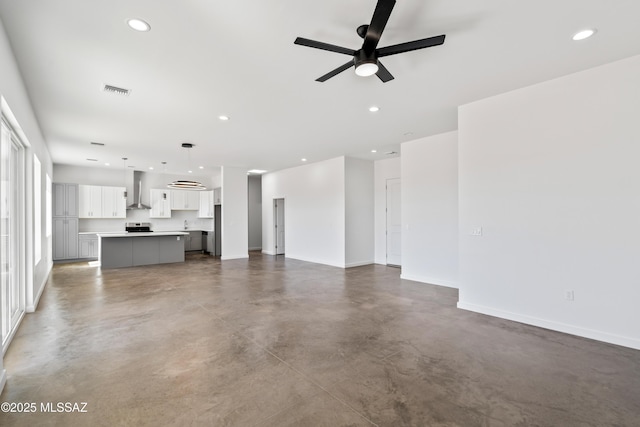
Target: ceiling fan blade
[409,46]
[378,22]
[324,46]
[335,72]
[383,74]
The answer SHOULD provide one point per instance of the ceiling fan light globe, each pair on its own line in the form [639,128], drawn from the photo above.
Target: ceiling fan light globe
[366,69]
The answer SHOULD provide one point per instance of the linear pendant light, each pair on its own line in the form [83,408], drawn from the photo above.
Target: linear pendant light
[187,184]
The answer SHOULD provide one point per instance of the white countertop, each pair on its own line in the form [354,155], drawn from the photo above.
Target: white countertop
[104,233]
[142,234]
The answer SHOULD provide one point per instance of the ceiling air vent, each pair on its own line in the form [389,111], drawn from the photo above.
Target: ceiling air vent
[97,143]
[116,90]
[391,153]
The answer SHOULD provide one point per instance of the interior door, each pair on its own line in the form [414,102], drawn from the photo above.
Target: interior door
[394,223]
[278,209]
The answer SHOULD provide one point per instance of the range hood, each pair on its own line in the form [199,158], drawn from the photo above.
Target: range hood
[137,192]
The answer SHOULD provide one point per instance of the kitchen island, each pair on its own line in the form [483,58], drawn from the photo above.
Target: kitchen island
[145,248]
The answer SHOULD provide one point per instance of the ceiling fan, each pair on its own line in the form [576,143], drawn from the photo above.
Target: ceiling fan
[365,59]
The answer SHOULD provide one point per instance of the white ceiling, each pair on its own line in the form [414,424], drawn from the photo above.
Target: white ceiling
[204,58]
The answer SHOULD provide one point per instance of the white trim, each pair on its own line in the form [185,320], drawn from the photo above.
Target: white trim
[3,379]
[430,280]
[13,333]
[553,325]
[358,264]
[315,261]
[267,252]
[227,257]
[32,307]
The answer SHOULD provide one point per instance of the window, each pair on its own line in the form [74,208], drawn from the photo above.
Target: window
[49,213]
[37,209]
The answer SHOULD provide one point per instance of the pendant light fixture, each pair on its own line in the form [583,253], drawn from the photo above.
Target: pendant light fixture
[164,177]
[187,184]
[124,166]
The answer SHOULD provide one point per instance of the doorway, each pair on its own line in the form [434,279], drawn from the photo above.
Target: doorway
[217,231]
[278,225]
[394,223]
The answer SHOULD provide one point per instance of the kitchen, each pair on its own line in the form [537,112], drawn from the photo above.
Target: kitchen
[101,211]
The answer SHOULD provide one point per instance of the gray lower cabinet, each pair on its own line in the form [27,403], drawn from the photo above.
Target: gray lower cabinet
[193,242]
[65,238]
[89,246]
[134,251]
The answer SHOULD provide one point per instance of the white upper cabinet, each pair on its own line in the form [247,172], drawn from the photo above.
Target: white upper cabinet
[206,204]
[90,197]
[160,203]
[102,202]
[114,204]
[186,200]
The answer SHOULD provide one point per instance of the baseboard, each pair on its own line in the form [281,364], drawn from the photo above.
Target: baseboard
[266,252]
[32,308]
[553,325]
[3,379]
[430,280]
[358,264]
[316,261]
[225,258]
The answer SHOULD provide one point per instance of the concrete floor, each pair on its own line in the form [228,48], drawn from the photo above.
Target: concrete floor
[276,342]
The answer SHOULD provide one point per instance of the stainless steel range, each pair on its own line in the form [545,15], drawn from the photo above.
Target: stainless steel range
[137,227]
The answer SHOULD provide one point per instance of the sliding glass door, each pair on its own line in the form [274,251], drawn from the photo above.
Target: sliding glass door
[12,280]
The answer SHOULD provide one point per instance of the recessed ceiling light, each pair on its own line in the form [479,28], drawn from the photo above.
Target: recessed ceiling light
[374,151]
[107,164]
[150,167]
[304,160]
[138,24]
[584,34]
[223,118]
[258,171]
[201,167]
[190,171]
[373,109]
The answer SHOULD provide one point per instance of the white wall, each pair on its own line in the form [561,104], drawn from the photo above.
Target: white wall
[429,206]
[383,170]
[314,211]
[235,221]
[359,211]
[14,97]
[550,172]
[255,212]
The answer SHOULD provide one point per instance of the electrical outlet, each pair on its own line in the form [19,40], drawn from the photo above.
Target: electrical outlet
[476,231]
[568,295]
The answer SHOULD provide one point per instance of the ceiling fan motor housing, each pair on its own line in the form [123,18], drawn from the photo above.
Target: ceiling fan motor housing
[368,60]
